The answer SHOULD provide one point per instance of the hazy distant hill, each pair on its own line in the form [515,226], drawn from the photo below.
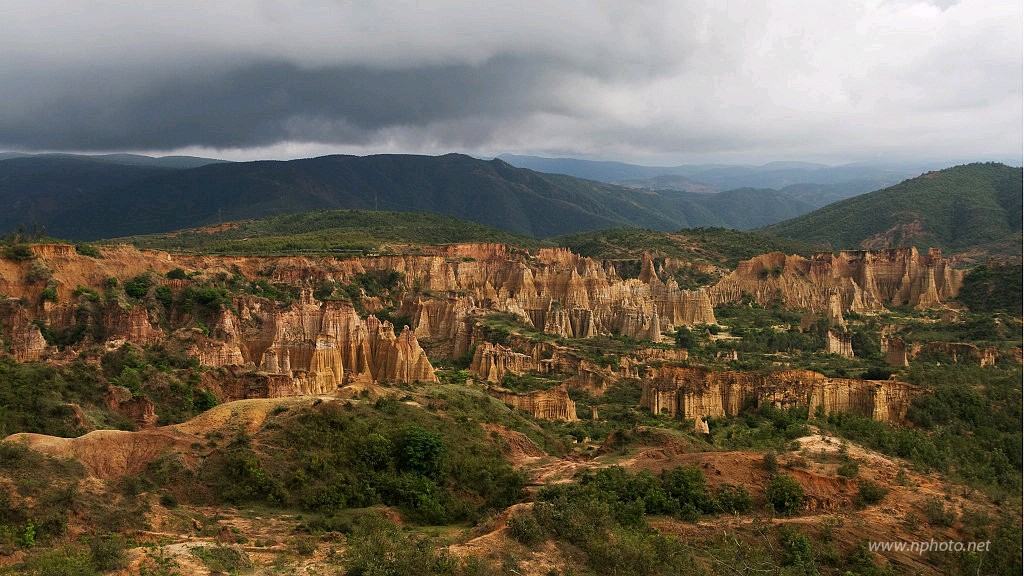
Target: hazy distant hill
[589,169]
[492,192]
[833,182]
[179,162]
[973,208]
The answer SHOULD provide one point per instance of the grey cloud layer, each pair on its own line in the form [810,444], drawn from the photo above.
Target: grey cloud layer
[652,79]
[263,103]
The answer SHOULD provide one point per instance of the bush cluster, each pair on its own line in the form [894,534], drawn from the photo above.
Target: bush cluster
[332,457]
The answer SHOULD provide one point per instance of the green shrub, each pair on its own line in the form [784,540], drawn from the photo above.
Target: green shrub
[177,274]
[869,492]
[770,462]
[88,250]
[937,514]
[420,451]
[376,546]
[86,292]
[107,553]
[305,546]
[526,530]
[796,547]
[223,558]
[63,561]
[784,494]
[17,252]
[38,272]
[684,338]
[848,469]
[48,294]
[138,286]
[163,295]
[734,499]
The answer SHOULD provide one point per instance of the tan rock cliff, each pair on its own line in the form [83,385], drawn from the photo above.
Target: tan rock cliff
[700,393]
[139,410]
[553,404]
[863,280]
[26,340]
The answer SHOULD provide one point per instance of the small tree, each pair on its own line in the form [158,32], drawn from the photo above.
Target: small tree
[684,338]
[420,451]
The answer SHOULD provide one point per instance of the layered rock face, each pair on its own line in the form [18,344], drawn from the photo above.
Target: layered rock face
[839,343]
[238,383]
[138,409]
[864,280]
[701,393]
[492,362]
[957,352]
[553,404]
[552,290]
[561,293]
[319,346]
[129,325]
[895,352]
[26,340]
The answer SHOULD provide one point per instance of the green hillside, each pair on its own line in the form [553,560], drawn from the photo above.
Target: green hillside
[975,208]
[328,232]
[148,200]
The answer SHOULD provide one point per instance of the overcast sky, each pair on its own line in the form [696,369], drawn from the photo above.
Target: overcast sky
[649,82]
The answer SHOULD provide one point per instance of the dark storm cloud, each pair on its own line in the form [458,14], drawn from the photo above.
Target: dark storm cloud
[671,80]
[263,103]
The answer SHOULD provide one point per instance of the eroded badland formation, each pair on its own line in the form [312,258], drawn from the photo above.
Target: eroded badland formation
[370,327]
[311,346]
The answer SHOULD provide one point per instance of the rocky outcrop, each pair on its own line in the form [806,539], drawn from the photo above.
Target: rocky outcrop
[309,347]
[322,345]
[700,426]
[839,343]
[552,290]
[559,293]
[26,340]
[699,393]
[553,404]
[863,280]
[130,325]
[895,351]
[492,362]
[957,352]
[138,409]
[237,383]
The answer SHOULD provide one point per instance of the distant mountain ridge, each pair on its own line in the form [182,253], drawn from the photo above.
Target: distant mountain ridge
[975,209]
[179,162]
[855,178]
[128,199]
[724,176]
